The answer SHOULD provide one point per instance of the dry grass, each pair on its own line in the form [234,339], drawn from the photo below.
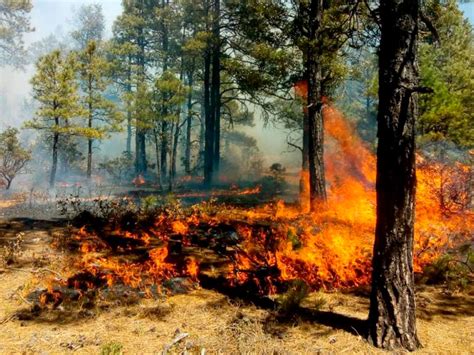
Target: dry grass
[214,322]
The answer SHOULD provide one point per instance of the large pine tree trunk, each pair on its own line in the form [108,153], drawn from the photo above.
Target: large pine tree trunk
[317,179]
[392,322]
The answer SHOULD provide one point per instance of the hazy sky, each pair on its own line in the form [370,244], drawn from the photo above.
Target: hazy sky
[48,16]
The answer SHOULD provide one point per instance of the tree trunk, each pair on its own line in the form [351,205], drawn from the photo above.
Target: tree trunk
[392,322]
[174,153]
[54,167]
[209,120]
[164,148]
[140,135]
[89,123]
[216,85]
[89,158]
[128,89]
[317,178]
[189,121]
[157,156]
[9,183]
[304,178]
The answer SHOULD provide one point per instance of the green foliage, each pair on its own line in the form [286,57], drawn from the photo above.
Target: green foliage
[14,23]
[448,68]
[290,301]
[120,168]
[168,96]
[13,156]
[101,113]
[56,91]
[112,348]
[454,269]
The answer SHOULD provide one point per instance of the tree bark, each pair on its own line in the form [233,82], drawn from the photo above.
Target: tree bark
[392,322]
[317,178]
[189,120]
[216,85]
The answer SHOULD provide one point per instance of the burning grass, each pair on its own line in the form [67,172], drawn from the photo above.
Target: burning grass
[263,249]
[122,254]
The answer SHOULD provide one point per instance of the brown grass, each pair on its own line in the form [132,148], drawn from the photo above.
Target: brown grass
[214,322]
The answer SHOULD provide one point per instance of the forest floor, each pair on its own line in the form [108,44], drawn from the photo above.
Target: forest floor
[201,320]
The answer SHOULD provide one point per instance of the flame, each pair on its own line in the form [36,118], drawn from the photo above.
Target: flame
[138,181]
[274,243]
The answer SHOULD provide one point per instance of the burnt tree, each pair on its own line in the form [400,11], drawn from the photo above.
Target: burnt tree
[392,322]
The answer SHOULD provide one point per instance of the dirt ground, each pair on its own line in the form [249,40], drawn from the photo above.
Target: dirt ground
[201,321]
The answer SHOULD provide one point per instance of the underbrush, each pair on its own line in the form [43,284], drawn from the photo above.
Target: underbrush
[454,269]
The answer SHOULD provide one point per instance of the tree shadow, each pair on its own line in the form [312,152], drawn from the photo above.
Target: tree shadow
[276,322]
[445,305]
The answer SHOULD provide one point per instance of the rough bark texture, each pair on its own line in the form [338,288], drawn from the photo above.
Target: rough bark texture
[392,322]
[317,180]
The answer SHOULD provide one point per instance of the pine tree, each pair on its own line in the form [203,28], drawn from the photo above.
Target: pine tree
[56,91]
[13,157]
[447,67]
[14,23]
[102,115]
[89,24]
[392,319]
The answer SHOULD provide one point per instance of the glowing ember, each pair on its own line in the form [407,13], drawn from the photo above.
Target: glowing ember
[138,181]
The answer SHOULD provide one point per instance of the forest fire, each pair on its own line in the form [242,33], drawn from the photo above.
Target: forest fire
[268,246]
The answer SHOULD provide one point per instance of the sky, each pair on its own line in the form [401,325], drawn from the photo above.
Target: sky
[54,16]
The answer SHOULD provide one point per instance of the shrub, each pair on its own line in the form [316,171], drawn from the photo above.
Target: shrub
[111,349]
[454,270]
